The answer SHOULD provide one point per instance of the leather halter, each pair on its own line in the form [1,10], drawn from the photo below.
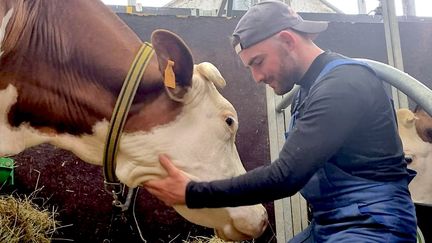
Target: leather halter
[118,120]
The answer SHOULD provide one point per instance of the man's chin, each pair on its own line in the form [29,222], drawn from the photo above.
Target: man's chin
[278,91]
[283,91]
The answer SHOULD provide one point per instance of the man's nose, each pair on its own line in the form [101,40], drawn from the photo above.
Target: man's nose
[257,76]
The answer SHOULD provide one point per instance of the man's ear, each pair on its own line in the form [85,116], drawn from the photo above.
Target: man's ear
[170,48]
[288,39]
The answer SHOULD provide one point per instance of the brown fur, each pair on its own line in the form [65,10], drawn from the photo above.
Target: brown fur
[423,124]
[69,64]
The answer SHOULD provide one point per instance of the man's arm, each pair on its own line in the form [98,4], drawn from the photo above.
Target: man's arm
[333,112]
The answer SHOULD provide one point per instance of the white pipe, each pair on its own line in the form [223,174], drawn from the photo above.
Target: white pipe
[331,6]
[361,6]
[394,50]
[287,99]
[410,86]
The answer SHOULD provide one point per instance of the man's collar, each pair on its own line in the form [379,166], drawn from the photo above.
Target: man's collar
[315,68]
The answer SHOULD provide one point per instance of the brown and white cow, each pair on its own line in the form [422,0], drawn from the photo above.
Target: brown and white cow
[418,154]
[62,65]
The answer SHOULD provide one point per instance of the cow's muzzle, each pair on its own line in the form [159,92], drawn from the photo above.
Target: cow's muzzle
[242,226]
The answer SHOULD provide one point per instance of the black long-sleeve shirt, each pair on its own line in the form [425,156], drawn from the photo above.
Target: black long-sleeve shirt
[347,119]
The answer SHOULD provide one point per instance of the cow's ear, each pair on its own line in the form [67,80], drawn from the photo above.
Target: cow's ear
[170,48]
[211,73]
[411,119]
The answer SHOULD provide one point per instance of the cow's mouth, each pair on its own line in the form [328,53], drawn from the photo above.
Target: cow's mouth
[240,230]
[235,235]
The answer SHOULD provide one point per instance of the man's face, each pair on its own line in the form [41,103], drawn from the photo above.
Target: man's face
[272,64]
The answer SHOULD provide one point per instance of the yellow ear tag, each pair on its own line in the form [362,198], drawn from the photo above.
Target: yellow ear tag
[170,75]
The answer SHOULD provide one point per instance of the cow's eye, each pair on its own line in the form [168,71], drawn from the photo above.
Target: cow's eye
[229,121]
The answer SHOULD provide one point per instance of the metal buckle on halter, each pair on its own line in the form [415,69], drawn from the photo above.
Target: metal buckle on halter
[116,190]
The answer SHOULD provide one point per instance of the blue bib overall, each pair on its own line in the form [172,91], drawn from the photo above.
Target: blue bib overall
[348,208]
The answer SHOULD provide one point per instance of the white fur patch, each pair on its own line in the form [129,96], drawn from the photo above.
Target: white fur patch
[3,25]
[15,140]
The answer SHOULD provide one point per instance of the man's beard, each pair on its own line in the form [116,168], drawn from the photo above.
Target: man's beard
[287,76]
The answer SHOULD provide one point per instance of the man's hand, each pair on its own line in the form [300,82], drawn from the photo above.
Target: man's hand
[171,189]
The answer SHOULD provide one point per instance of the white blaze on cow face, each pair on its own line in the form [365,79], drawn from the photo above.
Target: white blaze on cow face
[420,154]
[3,25]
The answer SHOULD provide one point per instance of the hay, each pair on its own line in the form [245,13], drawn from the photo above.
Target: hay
[21,220]
[203,239]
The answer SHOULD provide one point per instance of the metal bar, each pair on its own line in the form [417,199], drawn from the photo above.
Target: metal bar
[276,125]
[229,8]
[361,6]
[288,2]
[221,8]
[331,6]
[409,7]
[394,50]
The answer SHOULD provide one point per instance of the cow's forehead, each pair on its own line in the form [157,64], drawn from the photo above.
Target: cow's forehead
[207,91]
[206,82]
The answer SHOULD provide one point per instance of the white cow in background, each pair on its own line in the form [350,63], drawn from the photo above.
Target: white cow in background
[419,156]
[423,124]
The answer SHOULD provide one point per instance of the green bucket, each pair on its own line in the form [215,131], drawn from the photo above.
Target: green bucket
[6,171]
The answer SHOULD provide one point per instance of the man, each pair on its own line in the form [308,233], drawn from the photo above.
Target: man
[343,152]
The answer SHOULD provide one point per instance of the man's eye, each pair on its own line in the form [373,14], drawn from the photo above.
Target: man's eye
[258,62]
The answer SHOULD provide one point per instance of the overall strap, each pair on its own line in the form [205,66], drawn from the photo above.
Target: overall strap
[338,62]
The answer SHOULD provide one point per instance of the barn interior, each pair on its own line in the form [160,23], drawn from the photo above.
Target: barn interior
[75,189]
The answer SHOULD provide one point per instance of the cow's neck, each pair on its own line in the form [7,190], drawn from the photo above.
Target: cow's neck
[73,71]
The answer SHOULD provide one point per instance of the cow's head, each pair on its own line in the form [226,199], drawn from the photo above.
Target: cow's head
[410,140]
[418,154]
[423,124]
[200,140]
